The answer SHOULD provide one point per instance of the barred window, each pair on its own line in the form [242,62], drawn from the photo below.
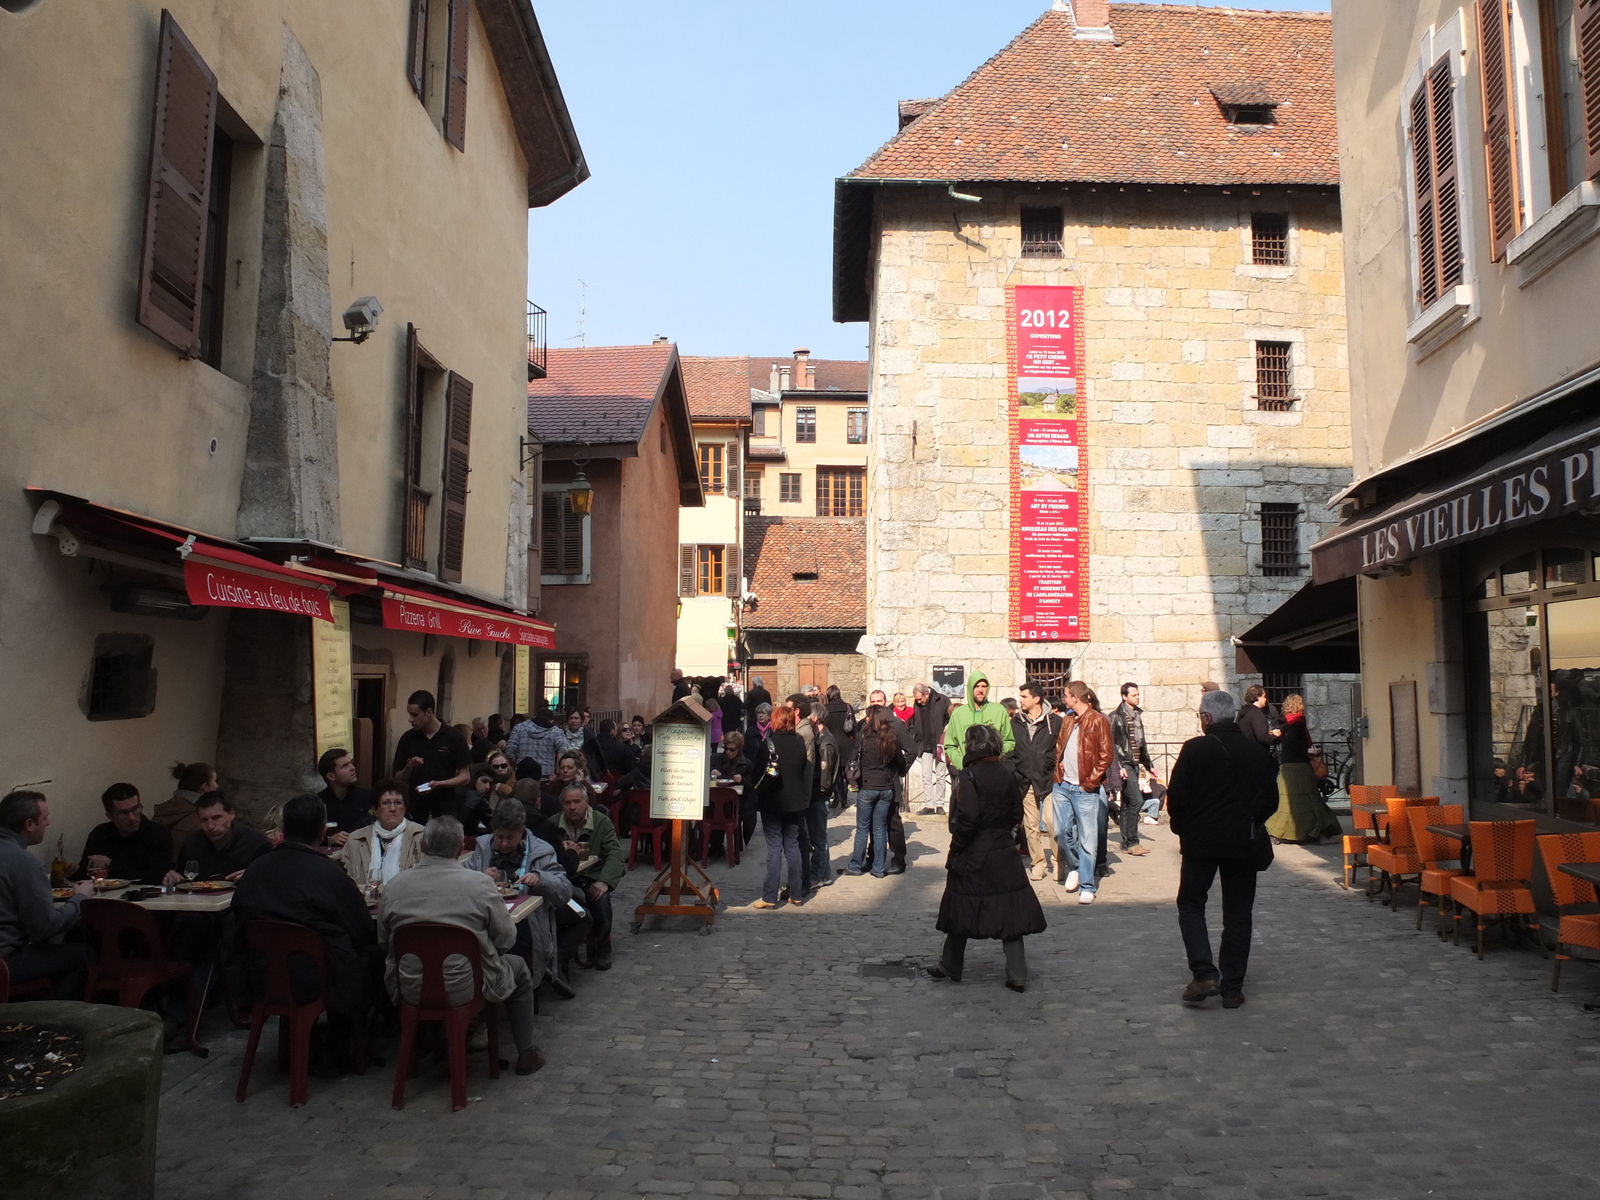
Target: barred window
[1041,233]
[1273,376]
[1051,674]
[805,424]
[1269,239]
[1281,685]
[840,491]
[855,426]
[1280,539]
[789,488]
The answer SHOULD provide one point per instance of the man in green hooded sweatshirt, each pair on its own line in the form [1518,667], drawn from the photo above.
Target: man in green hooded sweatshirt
[978,708]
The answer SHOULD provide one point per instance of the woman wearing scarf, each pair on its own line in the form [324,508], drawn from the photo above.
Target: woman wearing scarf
[903,708]
[1303,815]
[380,851]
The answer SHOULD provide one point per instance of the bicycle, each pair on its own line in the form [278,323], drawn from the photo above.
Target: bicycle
[1341,762]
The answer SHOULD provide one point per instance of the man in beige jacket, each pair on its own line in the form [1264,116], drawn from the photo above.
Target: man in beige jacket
[440,889]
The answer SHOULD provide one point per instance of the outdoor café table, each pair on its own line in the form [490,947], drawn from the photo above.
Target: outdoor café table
[1375,809]
[1588,872]
[1457,833]
[589,863]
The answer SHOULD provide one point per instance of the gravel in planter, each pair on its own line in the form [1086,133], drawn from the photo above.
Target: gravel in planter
[34,1058]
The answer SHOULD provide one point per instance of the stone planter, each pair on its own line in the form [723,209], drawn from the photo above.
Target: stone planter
[94,1133]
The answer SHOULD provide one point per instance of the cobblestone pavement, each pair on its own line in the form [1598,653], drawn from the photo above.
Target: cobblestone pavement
[786,1056]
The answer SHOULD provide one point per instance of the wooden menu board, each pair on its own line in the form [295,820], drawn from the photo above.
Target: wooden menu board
[1404,741]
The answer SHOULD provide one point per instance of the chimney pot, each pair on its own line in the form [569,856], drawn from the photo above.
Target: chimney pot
[1091,14]
[772,378]
[661,339]
[783,379]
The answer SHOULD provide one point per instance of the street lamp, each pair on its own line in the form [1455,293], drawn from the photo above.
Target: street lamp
[581,496]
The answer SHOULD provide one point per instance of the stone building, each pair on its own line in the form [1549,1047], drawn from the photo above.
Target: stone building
[806,613]
[227,538]
[1179,166]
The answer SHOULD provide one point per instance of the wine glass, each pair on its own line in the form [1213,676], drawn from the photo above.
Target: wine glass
[191,870]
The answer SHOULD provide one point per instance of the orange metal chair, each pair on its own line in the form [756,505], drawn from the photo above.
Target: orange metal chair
[1573,929]
[1396,859]
[1358,843]
[1433,851]
[649,832]
[1500,885]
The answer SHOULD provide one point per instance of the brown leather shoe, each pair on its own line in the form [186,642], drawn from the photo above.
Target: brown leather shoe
[530,1061]
[1138,850]
[1233,1001]
[1200,989]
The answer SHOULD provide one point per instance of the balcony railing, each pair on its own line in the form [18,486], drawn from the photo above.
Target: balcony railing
[752,506]
[538,343]
[416,527]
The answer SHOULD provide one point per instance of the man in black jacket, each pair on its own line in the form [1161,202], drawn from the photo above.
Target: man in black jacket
[1223,787]
[1035,729]
[1127,740]
[932,714]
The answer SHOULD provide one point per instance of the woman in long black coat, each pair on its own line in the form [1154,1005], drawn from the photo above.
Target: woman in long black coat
[783,793]
[986,890]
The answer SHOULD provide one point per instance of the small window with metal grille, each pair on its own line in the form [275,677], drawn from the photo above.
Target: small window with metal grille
[1281,685]
[1274,377]
[1041,233]
[1280,539]
[1051,674]
[1269,239]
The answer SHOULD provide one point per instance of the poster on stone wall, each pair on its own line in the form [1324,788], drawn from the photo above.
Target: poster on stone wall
[1049,468]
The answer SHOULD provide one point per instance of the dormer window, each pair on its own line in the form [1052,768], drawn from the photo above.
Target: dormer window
[1245,104]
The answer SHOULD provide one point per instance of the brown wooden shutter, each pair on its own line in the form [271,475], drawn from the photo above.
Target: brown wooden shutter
[1446,174]
[413,508]
[730,568]
[731,469]
[457,464]
[173,258]
[455,93]
[686,571]
[417,49]
[1422,175]
[1587,21]
[550,533]
[1499,129]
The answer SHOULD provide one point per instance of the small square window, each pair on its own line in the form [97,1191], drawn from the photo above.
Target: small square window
[1041,233]
[121,684]
[789,488]
[805,425]
[1269,239]
[1051,674]
[1281,685]
[1274,377]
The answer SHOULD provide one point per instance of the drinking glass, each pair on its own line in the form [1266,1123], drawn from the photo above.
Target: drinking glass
[191,870]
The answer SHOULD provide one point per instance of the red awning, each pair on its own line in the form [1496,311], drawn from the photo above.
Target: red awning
[426,612]
[226,578]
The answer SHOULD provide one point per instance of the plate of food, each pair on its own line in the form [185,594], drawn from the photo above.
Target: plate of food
[61,893]
[509,890]
[110,885]
[207,885]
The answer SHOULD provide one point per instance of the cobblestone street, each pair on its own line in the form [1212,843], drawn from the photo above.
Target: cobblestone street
[795,1053]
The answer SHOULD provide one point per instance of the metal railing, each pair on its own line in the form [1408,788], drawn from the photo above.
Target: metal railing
[538,341]
[752,506]
[416,527]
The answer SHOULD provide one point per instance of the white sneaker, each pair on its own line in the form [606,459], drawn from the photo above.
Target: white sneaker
[1149,821]
[1071,883]
[1085,897]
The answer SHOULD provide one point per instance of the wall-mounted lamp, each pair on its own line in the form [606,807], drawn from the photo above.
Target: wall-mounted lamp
[580,496]
[361,319]
[680,608]
[530,449]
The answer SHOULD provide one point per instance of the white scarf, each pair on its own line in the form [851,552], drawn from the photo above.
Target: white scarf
[386,850]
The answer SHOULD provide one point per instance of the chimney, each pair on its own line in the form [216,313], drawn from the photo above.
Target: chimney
[1092,19]
[661,339]
[772,379]
[805,375]
[783,379]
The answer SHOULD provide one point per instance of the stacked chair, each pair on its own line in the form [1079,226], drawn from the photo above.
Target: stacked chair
[1366,832]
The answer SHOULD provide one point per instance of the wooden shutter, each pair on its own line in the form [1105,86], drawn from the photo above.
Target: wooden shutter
[172,261]
[731,470]
[730,570]
[457,464]
[417,49]
[1499,129]
[1587,21]
[1422,175]
[455,92]
[412,511]
[1446,174]
[550,533]
[687,568]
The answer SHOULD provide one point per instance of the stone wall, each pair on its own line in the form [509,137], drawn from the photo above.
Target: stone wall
[1180,455]
[852,672]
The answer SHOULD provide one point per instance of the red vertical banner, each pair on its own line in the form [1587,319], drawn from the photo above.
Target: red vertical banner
[1049,425]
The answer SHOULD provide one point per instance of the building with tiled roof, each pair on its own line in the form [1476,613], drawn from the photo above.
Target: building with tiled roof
[807,607]
[1171,171]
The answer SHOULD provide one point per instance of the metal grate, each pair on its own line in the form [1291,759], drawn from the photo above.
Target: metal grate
[1051,674]
[1281,685]
[1280,539]
[1041,233]
[538,344]
[1269,239]
[805,424]
[1273,376]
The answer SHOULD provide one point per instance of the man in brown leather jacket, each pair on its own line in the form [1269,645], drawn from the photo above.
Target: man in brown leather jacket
[1083,753]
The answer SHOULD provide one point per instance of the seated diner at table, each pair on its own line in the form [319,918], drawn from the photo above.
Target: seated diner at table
[129,845]
[571,767]
[179,812]
[30,921]
[731,765]
[349,804]
[437,890]
[222,847]
[511,856]
[380,851]
[588,833]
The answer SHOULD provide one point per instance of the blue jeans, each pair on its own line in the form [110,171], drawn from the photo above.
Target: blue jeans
[783,844]
[1077,818]
[872,819]
[819,868]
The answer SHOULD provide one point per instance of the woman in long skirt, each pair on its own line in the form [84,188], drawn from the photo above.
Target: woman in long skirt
[1303,815]
[986,889]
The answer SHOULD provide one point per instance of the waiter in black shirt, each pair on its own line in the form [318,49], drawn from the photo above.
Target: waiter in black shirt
[431,759]
[129,845]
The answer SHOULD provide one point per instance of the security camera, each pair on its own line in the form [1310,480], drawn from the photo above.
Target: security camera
[361,319]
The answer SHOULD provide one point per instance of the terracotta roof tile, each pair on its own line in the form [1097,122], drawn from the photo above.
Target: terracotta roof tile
[599,394]
[840,374]
[718,388]
[778,548]
[1054,108]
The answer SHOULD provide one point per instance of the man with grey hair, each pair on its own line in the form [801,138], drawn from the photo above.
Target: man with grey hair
[1222,790]
[438,890]
[931,713]
[510,855]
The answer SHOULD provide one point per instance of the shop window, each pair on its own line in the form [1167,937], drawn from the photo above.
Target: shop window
[1051,674]
[445,694]
[1565,566]
[1280,539]
[121,683]
[1269,239]
[805,425]
[789,487]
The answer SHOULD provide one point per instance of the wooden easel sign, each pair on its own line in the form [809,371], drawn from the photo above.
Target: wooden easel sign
[680,786]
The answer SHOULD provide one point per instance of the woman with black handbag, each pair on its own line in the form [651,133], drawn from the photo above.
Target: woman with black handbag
[782,797]
[986,890]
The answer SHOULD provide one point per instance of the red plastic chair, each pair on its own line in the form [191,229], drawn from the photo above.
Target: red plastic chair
[725,820]
[278,940]
[649,832]
[620,802]
[431,944]
[130,958]
[24,991]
